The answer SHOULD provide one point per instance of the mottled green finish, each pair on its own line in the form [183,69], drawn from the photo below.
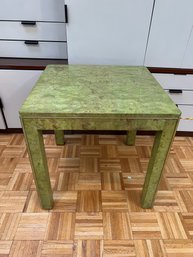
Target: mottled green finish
[37,156]
[131,135]
[59,137]
[160,150]
[111,91]
[78,97]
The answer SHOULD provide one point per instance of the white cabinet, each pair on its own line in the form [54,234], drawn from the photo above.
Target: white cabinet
[170,35]
[108,31]
[33,29]
[180,89]
[15,86]
[36,10]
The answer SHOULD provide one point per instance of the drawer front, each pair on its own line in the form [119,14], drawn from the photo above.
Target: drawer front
[39,10]
[187,112]
[19,49]
[181,96]
[171,81]
[37,31]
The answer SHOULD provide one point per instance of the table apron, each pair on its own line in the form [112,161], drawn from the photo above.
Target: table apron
[94,124]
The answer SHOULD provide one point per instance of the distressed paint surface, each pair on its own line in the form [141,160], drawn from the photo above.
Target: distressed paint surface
[98,98]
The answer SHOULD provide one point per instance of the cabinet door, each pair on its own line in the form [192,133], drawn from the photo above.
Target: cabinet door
[170,31]
[188,56]
[38,10]
[108,31]
[15,86]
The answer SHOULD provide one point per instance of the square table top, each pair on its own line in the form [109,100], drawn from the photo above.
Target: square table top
[98,91]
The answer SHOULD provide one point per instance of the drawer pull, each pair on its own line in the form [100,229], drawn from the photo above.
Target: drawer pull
[31,42]
[31,23]
[66,13]
[175,91]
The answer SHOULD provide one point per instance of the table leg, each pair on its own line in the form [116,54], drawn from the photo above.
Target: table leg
[36,151]
[59,136]
[160,150]
[131,135]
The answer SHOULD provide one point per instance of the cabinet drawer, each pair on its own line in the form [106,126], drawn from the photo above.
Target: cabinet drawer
[38,31]
[187,112]
[39,10]
[186,97]
[172,81]
[57,50]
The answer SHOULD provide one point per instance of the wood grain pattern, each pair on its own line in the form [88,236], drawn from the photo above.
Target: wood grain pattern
[97,182]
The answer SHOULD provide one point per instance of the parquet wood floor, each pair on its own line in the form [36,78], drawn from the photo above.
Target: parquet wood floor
[97,181]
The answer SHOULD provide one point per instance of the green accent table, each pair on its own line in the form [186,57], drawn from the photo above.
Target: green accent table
[85,97]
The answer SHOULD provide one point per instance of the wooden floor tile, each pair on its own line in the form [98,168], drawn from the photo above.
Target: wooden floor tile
[8,225]
[173,165]
[117,226]
[97,182]
[33,204]
[89,181]
[119,248]
[108,140]
[4,180]
[133,181]
[89,201]
[109,151]
[23,165]
[60,226]
[6,138]
[143,151]
[67,181]
[57,249]
[5,247]
[89,164]
[180,181]
[12,201]
[150,248]
[70,151]
[7,164]
[13,151]
[171,226]
[134,199]
[69,165]
[90,140]
[166,202]
[88,248]
[20,181]
[90,151]
[114,201]
[185,200]
[109,165]
[32,226]
[17,139]
[112,181]
[144,225]
[187,221]
[89,226]
[126,151]
[26,248]
[65,201]
[179,248]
